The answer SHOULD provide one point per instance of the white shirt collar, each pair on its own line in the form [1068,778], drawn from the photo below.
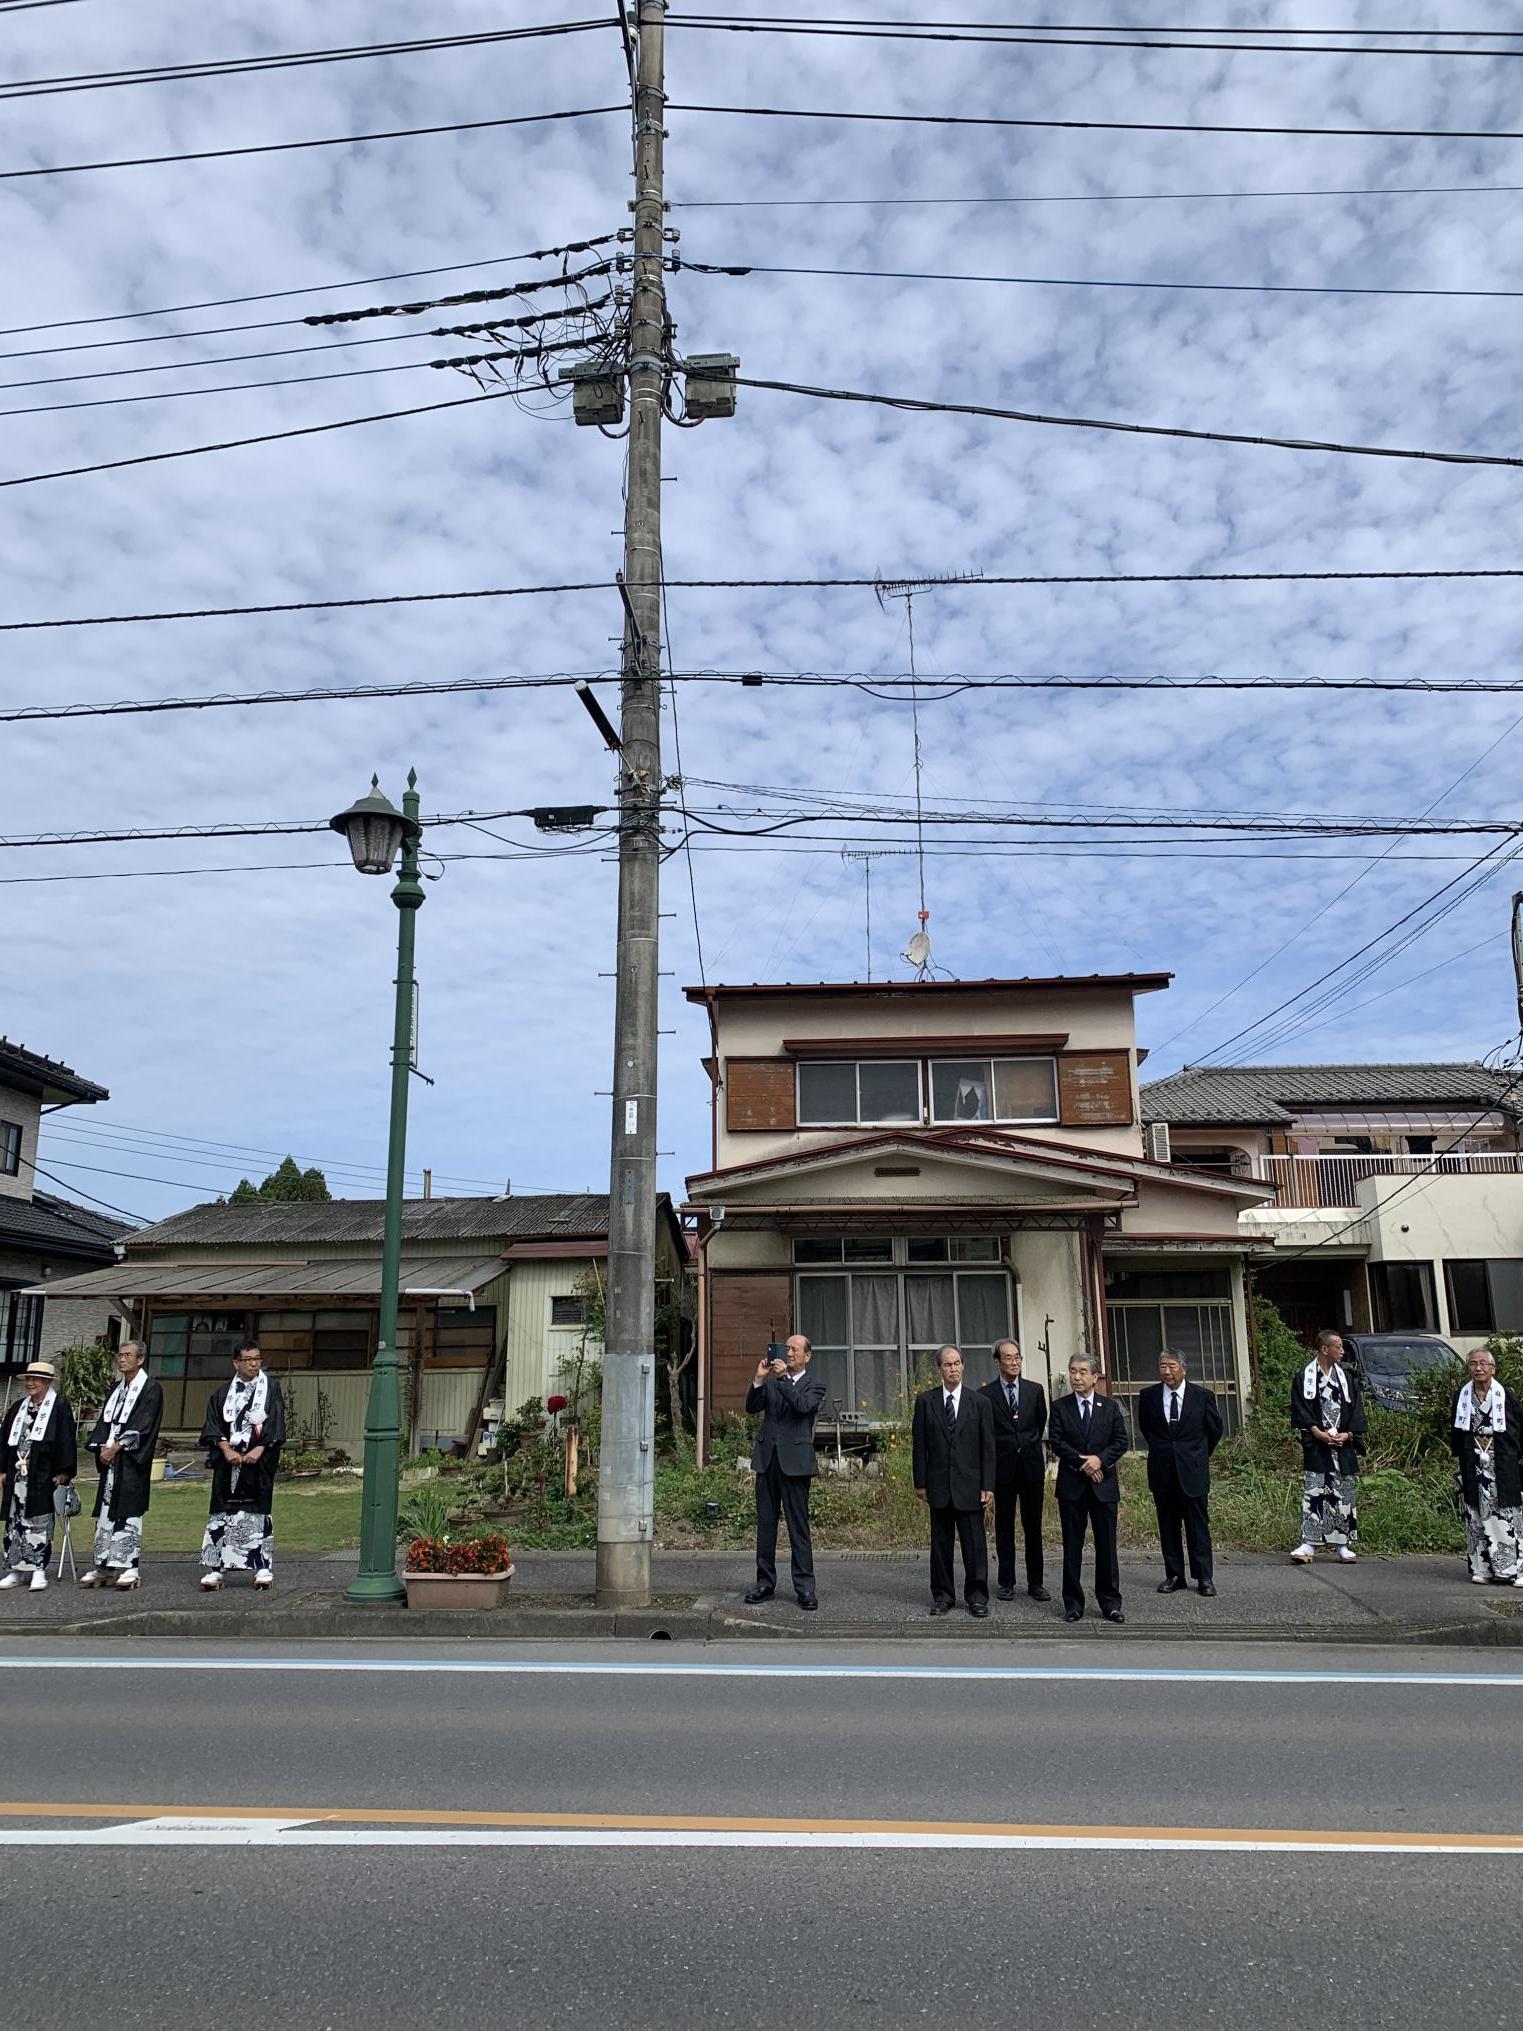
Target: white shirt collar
[953,1393]
[1088,1397]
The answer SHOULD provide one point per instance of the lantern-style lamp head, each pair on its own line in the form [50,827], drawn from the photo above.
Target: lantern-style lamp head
[375,829]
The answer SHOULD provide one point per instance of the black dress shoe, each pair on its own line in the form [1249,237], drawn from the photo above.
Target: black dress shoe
[941,1607]
[1113,1615]
[809,1606]
[1073,1614]
[759,1594]
[1171,1586]
[979,1610]
[1005,1593]
[1207,1588]
[1039,1593]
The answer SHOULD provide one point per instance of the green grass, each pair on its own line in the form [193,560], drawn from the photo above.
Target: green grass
[321,1515]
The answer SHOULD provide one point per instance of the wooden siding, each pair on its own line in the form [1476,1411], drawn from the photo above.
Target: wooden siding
[1095,1089]
[758,1094]
[745,1308]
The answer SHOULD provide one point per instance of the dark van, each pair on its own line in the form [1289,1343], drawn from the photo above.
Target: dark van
[1384,1362]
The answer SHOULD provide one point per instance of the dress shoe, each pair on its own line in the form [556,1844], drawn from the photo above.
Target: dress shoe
[759,1594]
[808,1606]
[1073,1614]
[1171,1586]
[1039,1593]
[1113,1615]
[1207,1588]
[1005,1593]
[941,1607]
[979,1610]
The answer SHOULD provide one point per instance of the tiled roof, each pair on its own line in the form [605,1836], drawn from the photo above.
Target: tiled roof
[1269,1096]
[48,1224]
[33,1073]
[547,1216]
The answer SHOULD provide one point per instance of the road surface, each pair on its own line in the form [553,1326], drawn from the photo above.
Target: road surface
[667,1836]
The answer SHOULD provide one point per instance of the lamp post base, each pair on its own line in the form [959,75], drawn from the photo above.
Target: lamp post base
[375,1590]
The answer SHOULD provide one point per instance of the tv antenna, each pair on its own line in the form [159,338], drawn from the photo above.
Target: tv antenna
[867,855]
[918,951]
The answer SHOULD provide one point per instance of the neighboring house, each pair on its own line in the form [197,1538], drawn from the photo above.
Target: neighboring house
[895,1166]
[491,1304]
[1398,1188]
[43,1236]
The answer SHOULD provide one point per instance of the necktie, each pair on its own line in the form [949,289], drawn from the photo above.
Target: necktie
[1084,1415]
[1173,1407]
[949,1411]
[1010,1388]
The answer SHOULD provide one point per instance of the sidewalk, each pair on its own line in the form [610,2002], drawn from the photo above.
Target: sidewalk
[862,1594]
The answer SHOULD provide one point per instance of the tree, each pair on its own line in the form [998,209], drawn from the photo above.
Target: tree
[285,1185]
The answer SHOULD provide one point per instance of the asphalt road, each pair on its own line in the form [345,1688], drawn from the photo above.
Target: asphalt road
[1168,1836]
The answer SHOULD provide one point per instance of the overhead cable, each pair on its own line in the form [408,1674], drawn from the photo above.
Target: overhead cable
[1129,282]
[993,34]
[270,828]
[1096,197]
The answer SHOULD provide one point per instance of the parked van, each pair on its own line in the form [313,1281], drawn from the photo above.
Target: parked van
[1385,1362]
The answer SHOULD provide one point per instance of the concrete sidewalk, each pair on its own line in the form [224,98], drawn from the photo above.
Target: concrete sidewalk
[862,1594]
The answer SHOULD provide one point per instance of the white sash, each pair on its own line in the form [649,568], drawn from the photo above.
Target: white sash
[1336,1375]
[120,1402]
[245,1413]
[1492,1410]
[39,1414]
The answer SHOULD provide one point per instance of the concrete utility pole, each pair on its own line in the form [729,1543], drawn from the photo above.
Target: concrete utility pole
[626,1464]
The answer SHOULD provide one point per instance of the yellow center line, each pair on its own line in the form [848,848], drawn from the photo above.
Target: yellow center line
[643,1822]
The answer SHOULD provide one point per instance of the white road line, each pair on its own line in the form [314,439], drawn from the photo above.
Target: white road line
[231,1833]
[939,1674]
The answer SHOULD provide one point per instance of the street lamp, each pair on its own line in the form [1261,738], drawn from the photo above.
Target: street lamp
[376,830]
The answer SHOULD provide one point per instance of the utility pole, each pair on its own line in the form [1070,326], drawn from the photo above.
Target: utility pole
[626,1462]
[1517,960]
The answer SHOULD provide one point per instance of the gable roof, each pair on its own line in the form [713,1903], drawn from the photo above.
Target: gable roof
[53,1226]
[1271,1096]
[548,1216]
[929,990]
[45,1078]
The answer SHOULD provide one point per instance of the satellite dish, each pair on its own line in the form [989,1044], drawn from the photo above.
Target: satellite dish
[918,951]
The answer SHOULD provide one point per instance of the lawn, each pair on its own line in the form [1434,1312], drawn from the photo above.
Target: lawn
[322,1515]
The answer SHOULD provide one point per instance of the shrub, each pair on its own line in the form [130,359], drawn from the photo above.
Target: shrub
[424,1514]
[487,1554]
[85,1377]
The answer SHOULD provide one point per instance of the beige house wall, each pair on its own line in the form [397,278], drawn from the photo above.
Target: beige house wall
[26,1111]
[1444,1219]
[1165,1208]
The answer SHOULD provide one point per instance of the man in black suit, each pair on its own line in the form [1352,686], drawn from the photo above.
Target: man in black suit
[783,1462]
[1087,1434]
[1020,1468]
[1182,1425]
[953,1462]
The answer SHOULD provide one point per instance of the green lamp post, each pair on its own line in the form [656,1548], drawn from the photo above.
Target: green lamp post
[376,830]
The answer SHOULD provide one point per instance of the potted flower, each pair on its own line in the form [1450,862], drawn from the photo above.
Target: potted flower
[444,1572]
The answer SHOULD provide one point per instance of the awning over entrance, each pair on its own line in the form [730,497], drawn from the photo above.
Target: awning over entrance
[335,1277]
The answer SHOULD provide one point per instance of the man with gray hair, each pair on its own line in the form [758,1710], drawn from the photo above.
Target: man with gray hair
[1182,1425]
[124,1439]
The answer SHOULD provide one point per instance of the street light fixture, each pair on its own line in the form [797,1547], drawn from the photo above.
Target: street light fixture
[376,831]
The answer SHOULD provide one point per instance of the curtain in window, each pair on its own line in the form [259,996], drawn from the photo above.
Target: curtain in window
[875,1311]
[930,1311]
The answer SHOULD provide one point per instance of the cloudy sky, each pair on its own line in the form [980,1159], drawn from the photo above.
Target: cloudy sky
[251,1008]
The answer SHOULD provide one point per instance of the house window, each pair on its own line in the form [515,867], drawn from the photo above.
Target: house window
[195,1345]
[20,1329]
[1402,1297]
[872,1092]
[1485,1297]
[10,1148]
[994,1089]
[568,1311]
[876,1333]
[1189,1312]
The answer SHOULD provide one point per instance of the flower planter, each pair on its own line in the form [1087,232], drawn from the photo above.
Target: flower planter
[457,1590]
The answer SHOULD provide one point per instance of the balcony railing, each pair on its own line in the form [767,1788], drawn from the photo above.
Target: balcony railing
[1334,1180]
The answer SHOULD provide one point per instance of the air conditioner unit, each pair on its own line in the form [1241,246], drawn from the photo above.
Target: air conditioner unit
[1156,1142]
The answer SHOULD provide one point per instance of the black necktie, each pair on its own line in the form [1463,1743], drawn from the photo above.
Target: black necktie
[1010,1389]
[1084,1414]
[1173,1407]
[949,1411]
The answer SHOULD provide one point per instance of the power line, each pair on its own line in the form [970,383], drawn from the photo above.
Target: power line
[1104,126]
[992,33]
[924,405]
[282,866]
[384,599]
[323,141]
[227,1156]
[267,829]
[300,59]
[729,204]
[1099,282]
[37,1170]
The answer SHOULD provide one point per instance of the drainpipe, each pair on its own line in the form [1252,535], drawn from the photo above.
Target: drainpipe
[701,1439]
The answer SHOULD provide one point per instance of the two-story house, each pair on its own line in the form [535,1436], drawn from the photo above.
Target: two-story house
[42,1235]
[898,1165]
[1398,1189]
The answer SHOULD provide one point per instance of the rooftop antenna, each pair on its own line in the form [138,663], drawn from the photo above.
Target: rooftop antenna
[918,951]
[867,855]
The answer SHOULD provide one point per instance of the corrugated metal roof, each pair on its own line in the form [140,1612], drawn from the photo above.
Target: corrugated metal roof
[336,1276]
[1139,983]
[1270,1096]
[550,1216]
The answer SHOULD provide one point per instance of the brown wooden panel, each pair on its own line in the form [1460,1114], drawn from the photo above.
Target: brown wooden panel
[1094,1089]
[925,1047]
[747,1308]
[758,1093]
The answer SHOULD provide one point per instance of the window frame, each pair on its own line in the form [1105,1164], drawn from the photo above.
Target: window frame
[1378,1275]
[858,1120]
[993,1118]
[1484,1264]
[10,1150]
[555,1325]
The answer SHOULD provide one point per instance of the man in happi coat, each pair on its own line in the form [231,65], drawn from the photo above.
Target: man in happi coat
[123,1441]
[1327,1414]
[245,1426]
[39,1451]
[1486,1434]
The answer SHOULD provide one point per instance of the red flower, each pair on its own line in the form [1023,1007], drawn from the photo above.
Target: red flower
[555,1403]
[486,1554]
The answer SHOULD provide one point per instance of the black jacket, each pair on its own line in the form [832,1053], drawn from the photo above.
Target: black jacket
[256,1483]
[56,1455]
[1018,1439]
[787,1429]
[1179,1455]
[1317,1457]
[955,1472]
[134,1466]
[1506,1449]
[1107,1438]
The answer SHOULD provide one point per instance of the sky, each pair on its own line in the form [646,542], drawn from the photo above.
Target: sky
[240,1003]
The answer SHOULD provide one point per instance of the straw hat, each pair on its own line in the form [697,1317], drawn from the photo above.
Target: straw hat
[43,1368]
